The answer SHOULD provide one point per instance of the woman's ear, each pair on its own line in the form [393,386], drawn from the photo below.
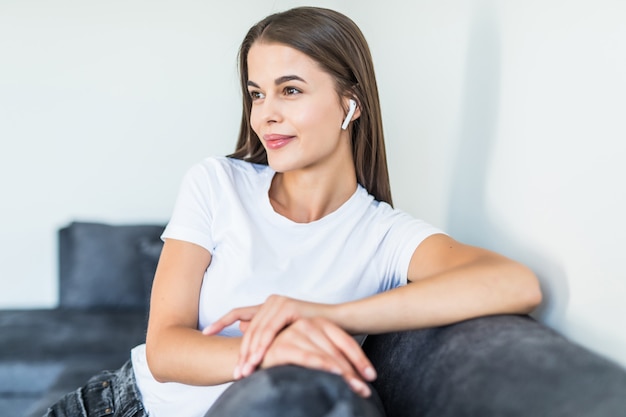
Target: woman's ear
[354,112]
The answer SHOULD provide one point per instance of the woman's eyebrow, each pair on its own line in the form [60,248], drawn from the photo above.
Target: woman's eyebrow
[287,78]
[279,80]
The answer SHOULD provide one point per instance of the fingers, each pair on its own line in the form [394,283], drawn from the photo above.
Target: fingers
[359,367]
[243,326]
[353,352]
[260,324]
[320,344]
[241,314]
[276,313]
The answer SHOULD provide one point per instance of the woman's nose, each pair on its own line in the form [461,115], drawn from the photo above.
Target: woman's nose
[271,110]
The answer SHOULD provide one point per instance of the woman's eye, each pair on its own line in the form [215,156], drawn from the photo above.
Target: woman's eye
[255,95]
[290,91]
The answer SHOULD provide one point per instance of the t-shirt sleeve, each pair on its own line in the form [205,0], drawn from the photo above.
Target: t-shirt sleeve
[403,235]
[192,217]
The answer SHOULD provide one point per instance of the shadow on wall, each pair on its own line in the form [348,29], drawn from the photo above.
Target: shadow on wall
[467,216]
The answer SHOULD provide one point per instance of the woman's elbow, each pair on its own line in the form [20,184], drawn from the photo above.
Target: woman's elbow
[155,362]
[529,291]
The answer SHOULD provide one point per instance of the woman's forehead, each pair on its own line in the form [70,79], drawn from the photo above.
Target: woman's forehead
[279,60]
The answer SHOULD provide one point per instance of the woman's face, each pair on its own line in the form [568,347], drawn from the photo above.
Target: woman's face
[296,111]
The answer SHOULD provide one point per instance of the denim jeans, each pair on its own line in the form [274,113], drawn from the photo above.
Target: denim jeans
[111,394]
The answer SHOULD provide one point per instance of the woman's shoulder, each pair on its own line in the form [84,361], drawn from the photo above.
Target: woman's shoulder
[385,215]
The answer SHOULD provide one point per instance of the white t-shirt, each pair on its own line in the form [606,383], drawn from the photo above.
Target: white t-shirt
[362,248]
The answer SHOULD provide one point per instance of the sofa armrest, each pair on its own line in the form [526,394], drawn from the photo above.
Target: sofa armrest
[493,366]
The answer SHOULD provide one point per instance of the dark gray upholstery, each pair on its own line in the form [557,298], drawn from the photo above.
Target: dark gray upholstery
[47,353]
[298,392]
[494,366]
[105,276]
[99,265]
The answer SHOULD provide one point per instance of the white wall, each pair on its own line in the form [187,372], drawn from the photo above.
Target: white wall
[504,121]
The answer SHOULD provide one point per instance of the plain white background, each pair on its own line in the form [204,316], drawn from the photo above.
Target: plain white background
[505,125]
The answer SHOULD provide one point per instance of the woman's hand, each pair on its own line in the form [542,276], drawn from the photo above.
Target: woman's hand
[318,343]
[260,325]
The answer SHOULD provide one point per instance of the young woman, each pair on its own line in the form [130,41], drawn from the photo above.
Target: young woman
[285,251]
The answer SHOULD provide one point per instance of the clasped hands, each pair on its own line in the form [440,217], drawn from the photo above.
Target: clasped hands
[285,331]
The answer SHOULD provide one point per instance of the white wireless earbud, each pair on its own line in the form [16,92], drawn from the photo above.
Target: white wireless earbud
[351,111]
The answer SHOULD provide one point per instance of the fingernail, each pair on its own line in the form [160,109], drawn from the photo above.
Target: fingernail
[360,387]
[237,373]
[370,373]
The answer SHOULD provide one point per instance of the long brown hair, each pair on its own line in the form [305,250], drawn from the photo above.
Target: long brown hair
[336,43]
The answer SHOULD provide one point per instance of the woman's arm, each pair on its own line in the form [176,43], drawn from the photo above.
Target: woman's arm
[175,349]
[449,282]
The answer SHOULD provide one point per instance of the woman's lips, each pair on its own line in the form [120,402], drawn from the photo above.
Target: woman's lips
[275,141]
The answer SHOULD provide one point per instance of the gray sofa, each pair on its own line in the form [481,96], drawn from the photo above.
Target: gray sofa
[104,283]
[493,366]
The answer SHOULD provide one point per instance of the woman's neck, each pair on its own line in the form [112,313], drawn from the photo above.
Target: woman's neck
[304,197]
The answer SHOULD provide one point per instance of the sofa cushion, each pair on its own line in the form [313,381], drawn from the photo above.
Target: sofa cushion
[57,335]
[100,265]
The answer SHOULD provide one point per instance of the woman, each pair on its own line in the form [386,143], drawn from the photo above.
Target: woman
[292,240]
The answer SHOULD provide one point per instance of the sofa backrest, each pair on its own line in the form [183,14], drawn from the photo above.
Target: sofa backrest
[104,266]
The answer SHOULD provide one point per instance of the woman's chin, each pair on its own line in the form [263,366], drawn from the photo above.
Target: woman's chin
[281,165]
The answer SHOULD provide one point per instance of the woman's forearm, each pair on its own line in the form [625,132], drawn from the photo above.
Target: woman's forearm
[488,285]
[185,355]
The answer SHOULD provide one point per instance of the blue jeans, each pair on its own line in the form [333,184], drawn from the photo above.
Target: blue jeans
[113,394]
[282,391]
